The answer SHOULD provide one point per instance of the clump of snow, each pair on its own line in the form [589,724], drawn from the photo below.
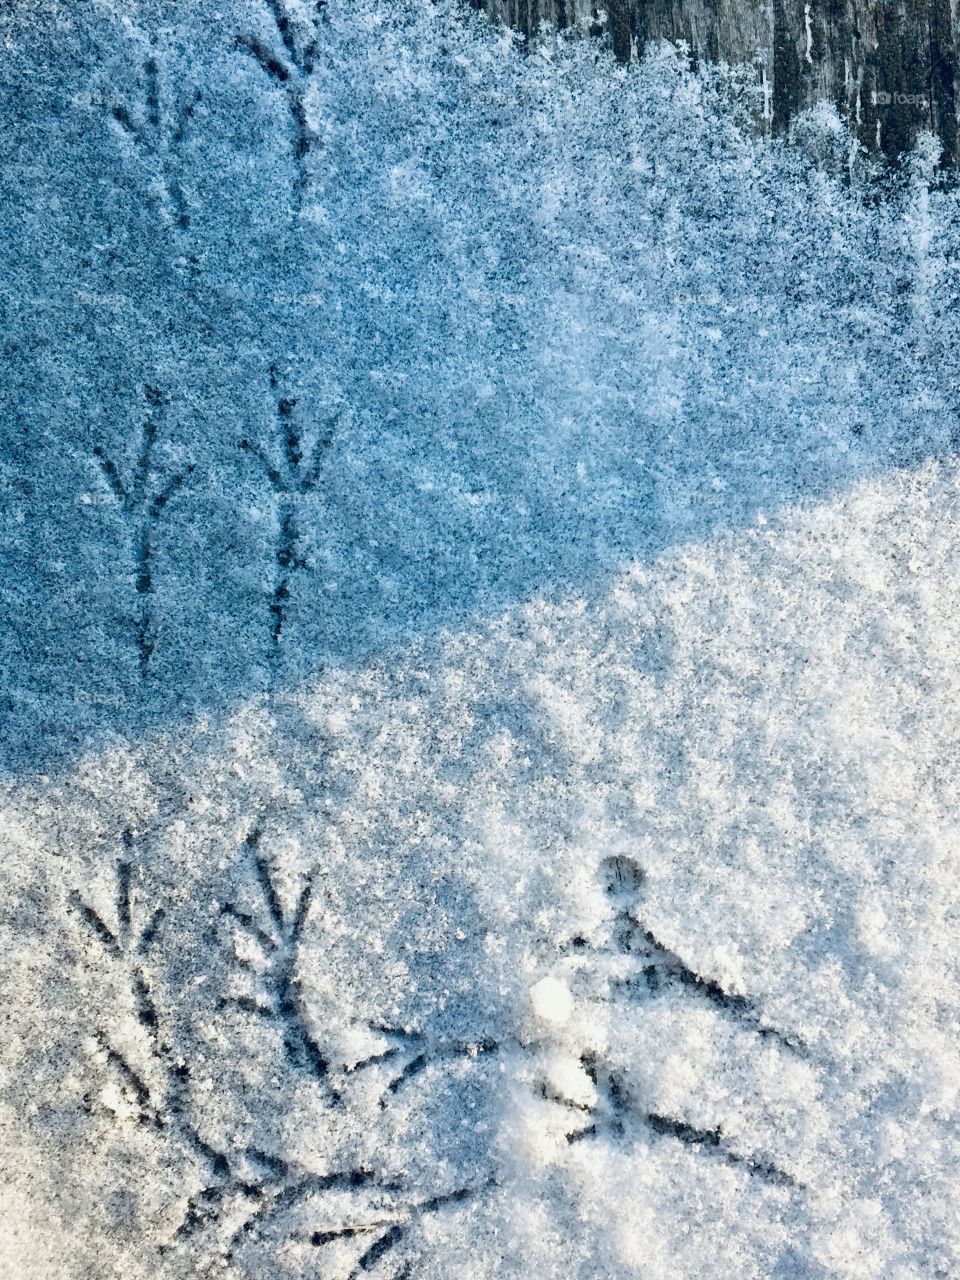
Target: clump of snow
[551,1000]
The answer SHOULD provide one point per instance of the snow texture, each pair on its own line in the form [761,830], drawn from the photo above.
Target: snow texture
[481,670]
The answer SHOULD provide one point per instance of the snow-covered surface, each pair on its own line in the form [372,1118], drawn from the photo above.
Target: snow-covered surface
[482,584]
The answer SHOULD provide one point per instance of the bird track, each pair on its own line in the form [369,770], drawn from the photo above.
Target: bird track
[247,1188]
[156,130]
[141,503]
[290,64]
[658,969]
[294,470]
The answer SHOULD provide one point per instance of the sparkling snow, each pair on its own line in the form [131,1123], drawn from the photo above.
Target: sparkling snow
[482,666]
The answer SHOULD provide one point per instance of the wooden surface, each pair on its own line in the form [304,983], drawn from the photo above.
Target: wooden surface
[890,67]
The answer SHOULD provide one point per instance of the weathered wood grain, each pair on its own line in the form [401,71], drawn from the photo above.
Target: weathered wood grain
[889,66]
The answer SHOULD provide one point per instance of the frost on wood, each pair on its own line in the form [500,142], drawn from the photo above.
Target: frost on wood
[480,767]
